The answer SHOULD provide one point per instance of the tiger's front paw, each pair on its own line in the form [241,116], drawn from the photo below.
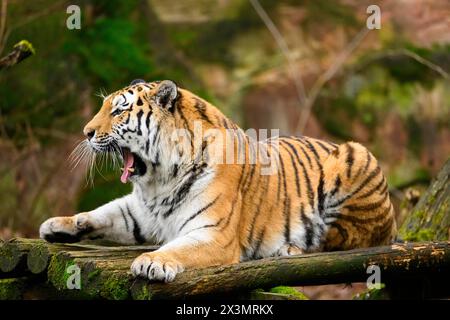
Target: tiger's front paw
[156,266]
[65,229]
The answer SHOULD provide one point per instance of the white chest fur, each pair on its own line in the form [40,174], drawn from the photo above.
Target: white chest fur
[163,209]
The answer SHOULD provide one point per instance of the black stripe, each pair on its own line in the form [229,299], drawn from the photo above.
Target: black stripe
[124,218]
[243,175]
[262,195]
[229,243]
[283,176]
[183,189]
[201,108]
[365,221]
[384,190]
[286,204]
[186,126]
[308,181]
[248,179]
[372,175]
[297,181]
[370,206]
[320,191]
[175,170]
[224,123]
[128,119]
[156,135]
[308,227]
[373,190]
[337,185]
[305,154]
[155,162]
[323,146]
[136,228]
[206,226]
[259,242]
[230,215]
[383,231]
[350,159]
[278,183]
[147,145]
[258,207]
[139,117]
[342,232]
[287,219]
[368,161]
[147,120]
[198,212]
[313,150]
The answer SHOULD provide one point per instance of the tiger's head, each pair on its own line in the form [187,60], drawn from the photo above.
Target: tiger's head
[134,122]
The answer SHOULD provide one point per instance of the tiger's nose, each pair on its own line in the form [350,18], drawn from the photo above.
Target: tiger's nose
[89,133]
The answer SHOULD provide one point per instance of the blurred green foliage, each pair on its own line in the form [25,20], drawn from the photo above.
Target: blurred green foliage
[108,51]
[379,83]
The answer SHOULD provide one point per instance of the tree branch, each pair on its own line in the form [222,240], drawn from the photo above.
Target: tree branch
[21,51]
[3,13]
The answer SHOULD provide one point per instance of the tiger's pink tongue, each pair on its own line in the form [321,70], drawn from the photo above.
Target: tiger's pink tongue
[128,164]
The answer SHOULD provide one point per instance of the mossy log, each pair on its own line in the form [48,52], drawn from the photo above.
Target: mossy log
[107,275]
[21,256]
[104,271]
[13,254]
[430,218]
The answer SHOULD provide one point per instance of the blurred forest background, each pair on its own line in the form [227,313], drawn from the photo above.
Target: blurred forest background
[387,88]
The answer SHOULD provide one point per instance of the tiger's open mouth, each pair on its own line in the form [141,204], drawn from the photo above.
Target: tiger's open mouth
[132,165]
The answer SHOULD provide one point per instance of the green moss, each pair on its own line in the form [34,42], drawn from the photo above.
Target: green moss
[11,289]
[9,257]
[373,294]
[431,199]
[115,288]
[289,291]
[94,274]
[139,291]
[37,259]
[29,47]
[420,235]
[57,270]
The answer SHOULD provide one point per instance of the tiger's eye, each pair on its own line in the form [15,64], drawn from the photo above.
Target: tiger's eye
[116,112]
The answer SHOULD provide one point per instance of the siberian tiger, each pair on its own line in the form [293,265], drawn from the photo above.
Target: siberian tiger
[206,211]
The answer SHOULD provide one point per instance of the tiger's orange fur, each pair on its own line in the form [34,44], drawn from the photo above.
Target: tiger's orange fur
[322,196]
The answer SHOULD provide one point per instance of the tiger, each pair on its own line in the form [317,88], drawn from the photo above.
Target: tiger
[204,211]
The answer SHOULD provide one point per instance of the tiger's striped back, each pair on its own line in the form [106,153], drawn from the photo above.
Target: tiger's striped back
[323,197]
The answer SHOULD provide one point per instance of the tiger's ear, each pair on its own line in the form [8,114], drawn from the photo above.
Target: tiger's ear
[166,94]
